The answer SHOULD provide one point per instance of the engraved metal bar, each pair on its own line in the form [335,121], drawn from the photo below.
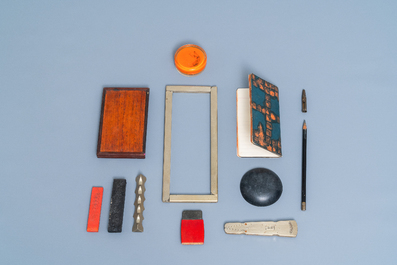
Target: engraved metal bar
[287,228]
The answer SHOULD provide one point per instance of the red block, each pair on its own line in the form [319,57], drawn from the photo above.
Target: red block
[192,230]
[95,209]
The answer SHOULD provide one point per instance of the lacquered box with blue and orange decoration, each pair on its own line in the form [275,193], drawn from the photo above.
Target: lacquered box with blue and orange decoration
[258,119]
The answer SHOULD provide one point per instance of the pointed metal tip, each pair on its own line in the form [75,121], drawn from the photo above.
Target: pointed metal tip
[304,125]
[140,179]
[304,103]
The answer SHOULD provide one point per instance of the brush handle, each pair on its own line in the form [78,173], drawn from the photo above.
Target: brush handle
[281,228]
[304,145]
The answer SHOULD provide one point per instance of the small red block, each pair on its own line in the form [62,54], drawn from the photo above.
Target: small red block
[95,209]
[192,230]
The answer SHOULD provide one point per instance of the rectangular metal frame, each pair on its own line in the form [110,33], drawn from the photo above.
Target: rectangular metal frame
[213,196]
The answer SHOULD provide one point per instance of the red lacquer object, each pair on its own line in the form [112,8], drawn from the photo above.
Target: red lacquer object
[192,228]
[95,209]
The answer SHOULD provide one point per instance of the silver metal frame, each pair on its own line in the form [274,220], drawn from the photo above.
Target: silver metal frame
[213,196]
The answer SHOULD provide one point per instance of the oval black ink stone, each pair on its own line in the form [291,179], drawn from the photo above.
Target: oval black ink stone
[261,187]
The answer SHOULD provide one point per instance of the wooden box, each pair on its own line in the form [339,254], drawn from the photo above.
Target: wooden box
[122,130]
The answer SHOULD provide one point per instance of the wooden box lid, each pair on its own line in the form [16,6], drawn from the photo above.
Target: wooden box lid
[122,130]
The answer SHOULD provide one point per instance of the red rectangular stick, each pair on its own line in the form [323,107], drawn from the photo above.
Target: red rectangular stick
[95,209]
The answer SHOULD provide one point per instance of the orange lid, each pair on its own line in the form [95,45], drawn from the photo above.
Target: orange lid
[190,59]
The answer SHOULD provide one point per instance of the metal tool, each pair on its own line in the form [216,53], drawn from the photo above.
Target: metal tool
[140,198]
[287,228]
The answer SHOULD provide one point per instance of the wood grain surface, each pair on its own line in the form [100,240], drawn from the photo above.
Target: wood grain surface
[122,132]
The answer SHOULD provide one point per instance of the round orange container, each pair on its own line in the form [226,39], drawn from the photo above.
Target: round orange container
[190,59]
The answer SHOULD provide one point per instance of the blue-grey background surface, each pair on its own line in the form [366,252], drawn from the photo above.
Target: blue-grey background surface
[56,56]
